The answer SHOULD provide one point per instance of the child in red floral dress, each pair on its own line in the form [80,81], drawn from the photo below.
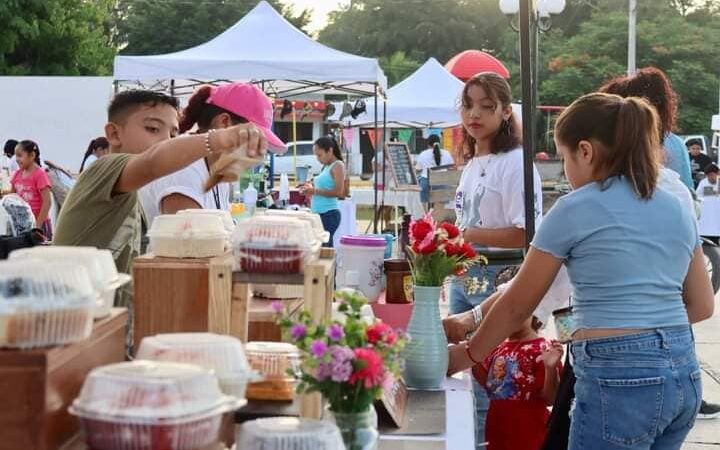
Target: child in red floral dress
[521,377]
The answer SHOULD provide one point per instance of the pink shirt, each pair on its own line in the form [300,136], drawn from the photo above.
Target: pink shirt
[29,187]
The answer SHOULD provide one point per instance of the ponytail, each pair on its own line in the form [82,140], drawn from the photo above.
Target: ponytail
[329,143]
[434,141]
[31,147]
[625,131]
[200,112]
[95,144]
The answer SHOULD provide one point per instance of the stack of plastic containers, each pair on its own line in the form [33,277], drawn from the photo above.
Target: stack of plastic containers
[269,244]
[98,263]
[44,303]
[222,354]
[312,218]
[188,236]
[277,362]
[289,433]
[223,215]
[149,405]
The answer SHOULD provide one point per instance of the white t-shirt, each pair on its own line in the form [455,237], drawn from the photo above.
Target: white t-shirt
[188,182]
[669,181]
[700,190]
[426,160]
[491,192]
[89,161]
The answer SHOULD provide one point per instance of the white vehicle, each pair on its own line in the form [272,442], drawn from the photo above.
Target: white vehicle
[305,157]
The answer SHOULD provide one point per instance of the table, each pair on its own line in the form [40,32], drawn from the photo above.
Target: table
[410,200]
[710,216]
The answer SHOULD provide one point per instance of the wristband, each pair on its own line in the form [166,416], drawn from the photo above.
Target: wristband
[469,354]
[477,315]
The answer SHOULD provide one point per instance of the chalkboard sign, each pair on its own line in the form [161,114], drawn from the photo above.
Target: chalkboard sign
[401,165]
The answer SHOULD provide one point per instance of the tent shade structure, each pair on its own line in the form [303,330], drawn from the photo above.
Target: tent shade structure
[429,97]
[263,48]
[466,64]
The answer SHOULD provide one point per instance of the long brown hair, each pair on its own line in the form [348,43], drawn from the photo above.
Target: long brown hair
[199,111]
[625,128]
[509,135]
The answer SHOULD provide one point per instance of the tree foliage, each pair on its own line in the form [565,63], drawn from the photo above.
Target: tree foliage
[166,26]
[56,37]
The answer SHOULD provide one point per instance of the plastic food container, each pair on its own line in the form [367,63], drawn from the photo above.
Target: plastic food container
[222,354]
[99,264]
[564,324]
[289,433]
[312,218]
[44,303]
[268,244]
[187,236]
[225,216]
[365,255]
[276,362]
[149,405]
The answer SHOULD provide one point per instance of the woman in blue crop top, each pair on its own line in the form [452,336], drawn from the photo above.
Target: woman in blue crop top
[328,186]
[633,256]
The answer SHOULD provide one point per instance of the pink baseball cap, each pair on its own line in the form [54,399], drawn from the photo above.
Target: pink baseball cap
[248,101]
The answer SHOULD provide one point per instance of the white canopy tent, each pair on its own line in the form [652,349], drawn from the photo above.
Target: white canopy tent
[262,48]
[427,98]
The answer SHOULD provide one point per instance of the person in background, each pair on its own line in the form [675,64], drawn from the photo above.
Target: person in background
[699,159]
[622,304]
[97,148]
[710,181]
[433,156]
[209,108]
[9,153]
[328,186]
[652,84]
[32,184]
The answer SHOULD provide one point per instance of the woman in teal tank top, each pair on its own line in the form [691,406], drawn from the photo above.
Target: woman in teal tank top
[328,185]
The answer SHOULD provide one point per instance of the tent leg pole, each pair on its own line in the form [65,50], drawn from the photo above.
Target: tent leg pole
[527,27]
[377,166]
[385,226]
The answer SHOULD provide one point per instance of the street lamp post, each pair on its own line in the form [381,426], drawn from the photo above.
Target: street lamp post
[534,18]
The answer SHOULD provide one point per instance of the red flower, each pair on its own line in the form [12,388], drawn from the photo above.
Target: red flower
[467,251]
[369,368]
[451,229]
[427,249]
[420,229]
[381,332]
[453,249]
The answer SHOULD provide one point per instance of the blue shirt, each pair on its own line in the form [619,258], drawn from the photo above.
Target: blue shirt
[627,258]
[325,181]
[677,158]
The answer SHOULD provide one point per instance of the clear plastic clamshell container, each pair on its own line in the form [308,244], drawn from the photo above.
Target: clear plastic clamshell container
[289,433]
[151,405]
[268,244]
[44,303]
[225,216]
[99,264]
[222,354]
[310,217]
[273,359]
[188,236]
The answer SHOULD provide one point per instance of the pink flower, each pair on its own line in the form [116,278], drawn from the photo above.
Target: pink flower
[298,332]
[318,348]
[335,332]
[369,369]
[381,332]
[277,306]
[388,381]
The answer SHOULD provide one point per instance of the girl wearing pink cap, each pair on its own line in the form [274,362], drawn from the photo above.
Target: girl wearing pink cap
[210,107]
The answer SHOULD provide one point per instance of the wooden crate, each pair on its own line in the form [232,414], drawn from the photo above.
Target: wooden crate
[181,295]
[261,318]
[38,386]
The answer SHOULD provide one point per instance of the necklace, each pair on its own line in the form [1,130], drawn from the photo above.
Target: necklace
[483,168]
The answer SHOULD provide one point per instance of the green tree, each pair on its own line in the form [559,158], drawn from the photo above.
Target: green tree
[398,66]
[56,37]
[154,27]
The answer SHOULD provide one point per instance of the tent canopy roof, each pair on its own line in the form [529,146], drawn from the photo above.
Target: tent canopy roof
[261,47]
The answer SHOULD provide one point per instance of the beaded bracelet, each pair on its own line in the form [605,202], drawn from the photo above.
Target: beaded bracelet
[207,141]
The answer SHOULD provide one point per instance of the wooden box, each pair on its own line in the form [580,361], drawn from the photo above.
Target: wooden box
[38,386]
[181,295]
[261,317]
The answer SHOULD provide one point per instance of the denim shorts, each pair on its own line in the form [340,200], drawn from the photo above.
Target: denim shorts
[640,391]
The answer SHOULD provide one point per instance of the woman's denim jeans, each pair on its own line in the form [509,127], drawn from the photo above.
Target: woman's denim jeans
[641,391]
[331,222]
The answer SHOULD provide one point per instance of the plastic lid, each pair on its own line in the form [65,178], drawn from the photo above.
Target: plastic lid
[275,231]
[99,263]
[150,392]
[363,241]
[314,220]
[33,285]
[221,353]
[273,359]
[222,214]
[187,226]
[289,433]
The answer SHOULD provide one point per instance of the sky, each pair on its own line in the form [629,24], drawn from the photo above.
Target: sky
[320,10]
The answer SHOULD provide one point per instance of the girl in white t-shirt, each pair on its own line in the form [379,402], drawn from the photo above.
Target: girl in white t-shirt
[433,156]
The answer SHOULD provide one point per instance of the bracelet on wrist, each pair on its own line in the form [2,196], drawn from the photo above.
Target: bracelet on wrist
[469,353]
[477,315]
[208,147]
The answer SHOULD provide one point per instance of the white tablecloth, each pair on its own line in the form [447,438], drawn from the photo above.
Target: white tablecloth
[710,216]
[459,419]
[408,199]
[348,224]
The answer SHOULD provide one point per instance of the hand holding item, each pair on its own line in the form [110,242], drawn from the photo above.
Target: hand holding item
[307,189]
[458,359]
[242,146]
[552,355]
[458,326]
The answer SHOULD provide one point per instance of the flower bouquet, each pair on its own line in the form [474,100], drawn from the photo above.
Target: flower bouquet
[348,363]
[435,252]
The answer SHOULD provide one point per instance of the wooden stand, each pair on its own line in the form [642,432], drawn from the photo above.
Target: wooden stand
[38,386]
[181,295]
[318,281]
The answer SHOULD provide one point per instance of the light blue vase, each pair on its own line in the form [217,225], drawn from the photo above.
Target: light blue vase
[426,354]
